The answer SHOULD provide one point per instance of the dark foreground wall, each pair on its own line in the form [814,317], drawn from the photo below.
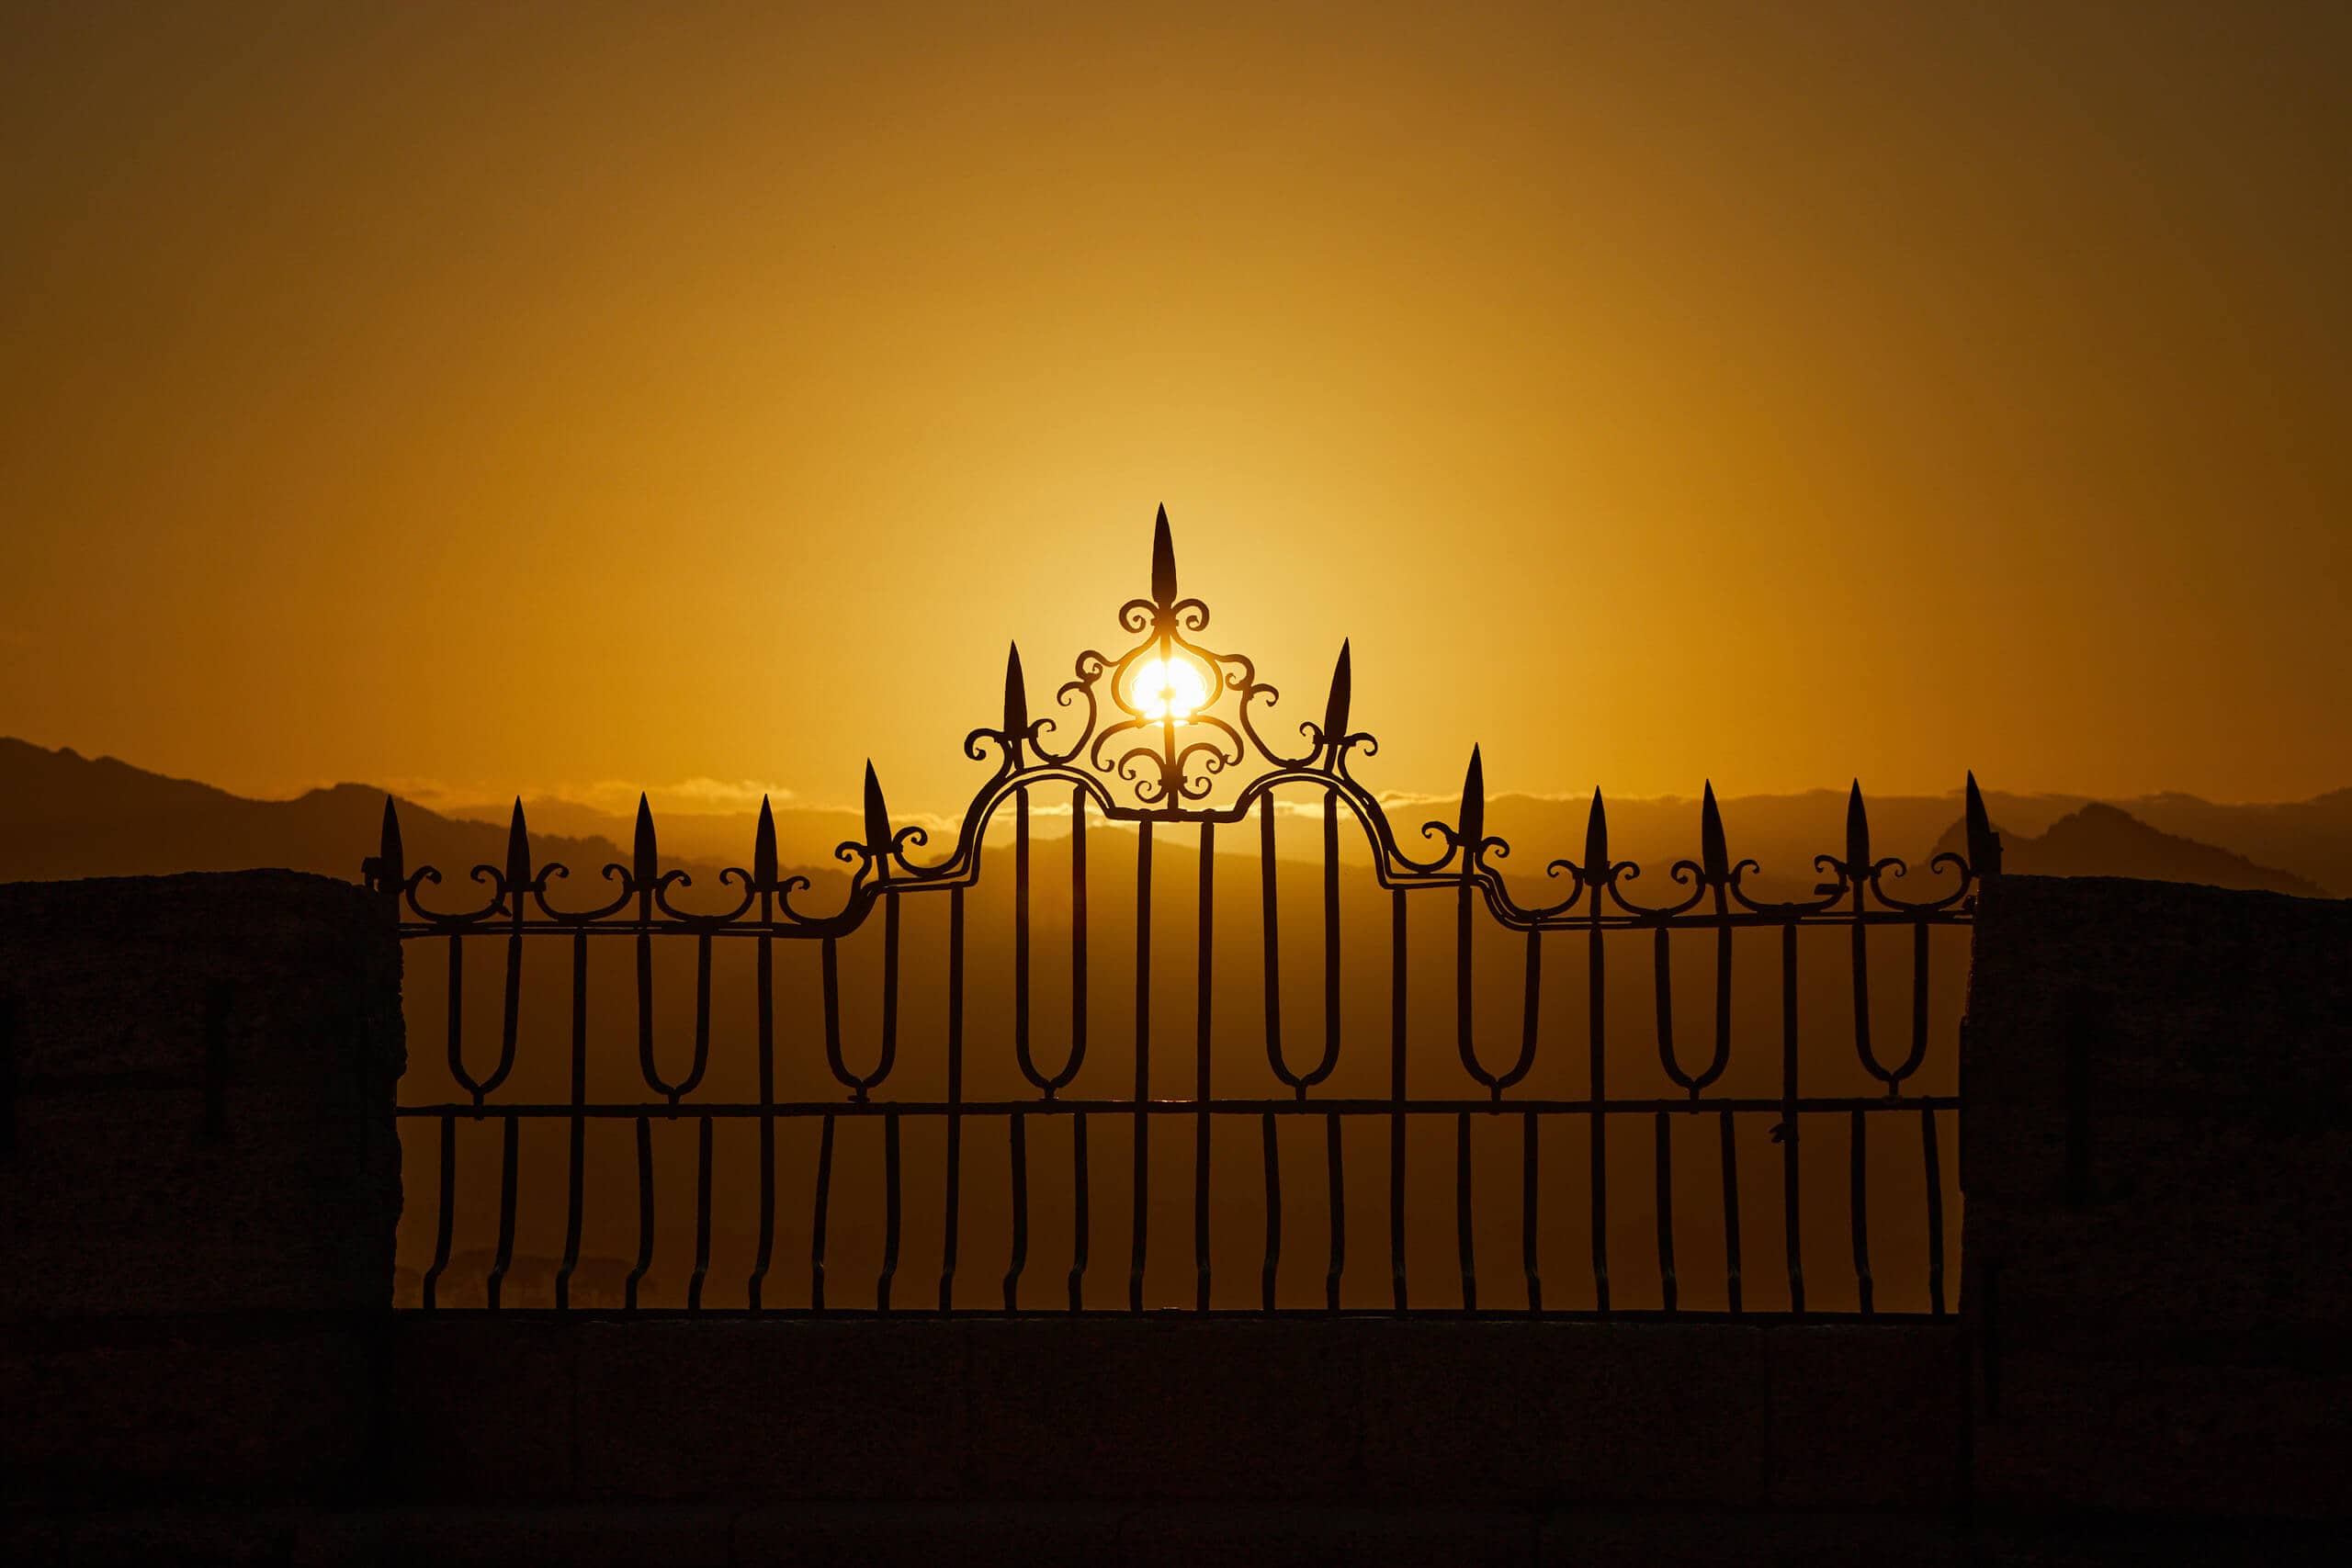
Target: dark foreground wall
[199,1180]
[1419,1412]
[2157,1156]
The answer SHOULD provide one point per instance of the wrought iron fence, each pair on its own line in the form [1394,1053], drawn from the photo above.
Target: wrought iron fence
[1148,740]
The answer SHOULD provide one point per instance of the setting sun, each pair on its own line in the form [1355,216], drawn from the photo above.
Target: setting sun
[1171,688]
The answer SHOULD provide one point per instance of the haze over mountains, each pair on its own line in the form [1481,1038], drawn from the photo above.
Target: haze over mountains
[63,815]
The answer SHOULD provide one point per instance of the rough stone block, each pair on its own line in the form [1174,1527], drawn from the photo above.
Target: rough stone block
[1162,1408]
[1563,1411]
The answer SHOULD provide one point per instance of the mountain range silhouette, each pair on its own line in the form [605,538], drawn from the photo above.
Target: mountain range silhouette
[63,815]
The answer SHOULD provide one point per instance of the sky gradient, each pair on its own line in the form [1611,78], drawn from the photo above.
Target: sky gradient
[511,399]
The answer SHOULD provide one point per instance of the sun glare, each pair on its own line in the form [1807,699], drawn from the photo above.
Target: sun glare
[1171,688]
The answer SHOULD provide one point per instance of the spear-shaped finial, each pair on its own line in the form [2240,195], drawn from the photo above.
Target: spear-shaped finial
[1335,711]
[1714,855]
[518,851]
[1471,827]
[1984,845]
[1164,563]
[387,872]
[1016,703]
[648,854]
[763,858]
[877,815]
[1858,833]
[1596,840]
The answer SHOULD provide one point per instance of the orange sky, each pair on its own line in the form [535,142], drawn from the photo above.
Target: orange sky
[517,399]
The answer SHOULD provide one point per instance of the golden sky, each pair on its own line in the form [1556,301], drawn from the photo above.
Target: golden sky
[515,398]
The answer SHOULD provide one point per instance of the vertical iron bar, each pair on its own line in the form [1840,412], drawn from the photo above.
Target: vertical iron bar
[1339,1196]
[1020,935]
[458,1015]
[644,1212]
[702,1018]
[1273,1210]
[1731,1207]
[1330,935]
[1596,1034]
[1791,1213]
[1201,1072]
[1665,1210]
[1464,1035]
[955,1093]
[1858,1190]
[1274,939]
[575,1181]
[508,1160]
[1863,983]
[1142,1180]
[1077,933]
[890,991]
[1722,991]
[1462,1211]
[1935,1212]
[447,1218]
[702,1216]
[1918,1004]
[1019,1212]
[1661,965]
[1531,1011]
[511,1016]
[1527,1227]
[1078,1222]
[1396,1031]
[766,1044]
[889,1211]
[645,1013]
[824,1203]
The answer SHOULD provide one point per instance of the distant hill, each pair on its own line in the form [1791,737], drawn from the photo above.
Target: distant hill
[2106,840]
[63,815]
[2314,836]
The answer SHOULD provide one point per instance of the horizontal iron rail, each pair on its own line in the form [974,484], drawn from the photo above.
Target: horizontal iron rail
[1689,921]
[1289,1107]
[1761,1318]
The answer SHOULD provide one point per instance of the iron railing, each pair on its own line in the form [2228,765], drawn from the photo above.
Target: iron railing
[1147,739]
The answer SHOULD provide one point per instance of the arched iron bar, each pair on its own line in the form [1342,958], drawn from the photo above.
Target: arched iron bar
[1170,780]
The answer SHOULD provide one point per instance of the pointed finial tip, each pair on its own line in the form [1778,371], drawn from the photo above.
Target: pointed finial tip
[1163,560]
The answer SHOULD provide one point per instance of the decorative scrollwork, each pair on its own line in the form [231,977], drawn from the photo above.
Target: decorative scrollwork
[1150,734]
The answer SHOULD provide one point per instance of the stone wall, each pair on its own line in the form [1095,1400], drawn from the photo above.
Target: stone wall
[1425,1412]
[2157,1156]
[199,1178]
